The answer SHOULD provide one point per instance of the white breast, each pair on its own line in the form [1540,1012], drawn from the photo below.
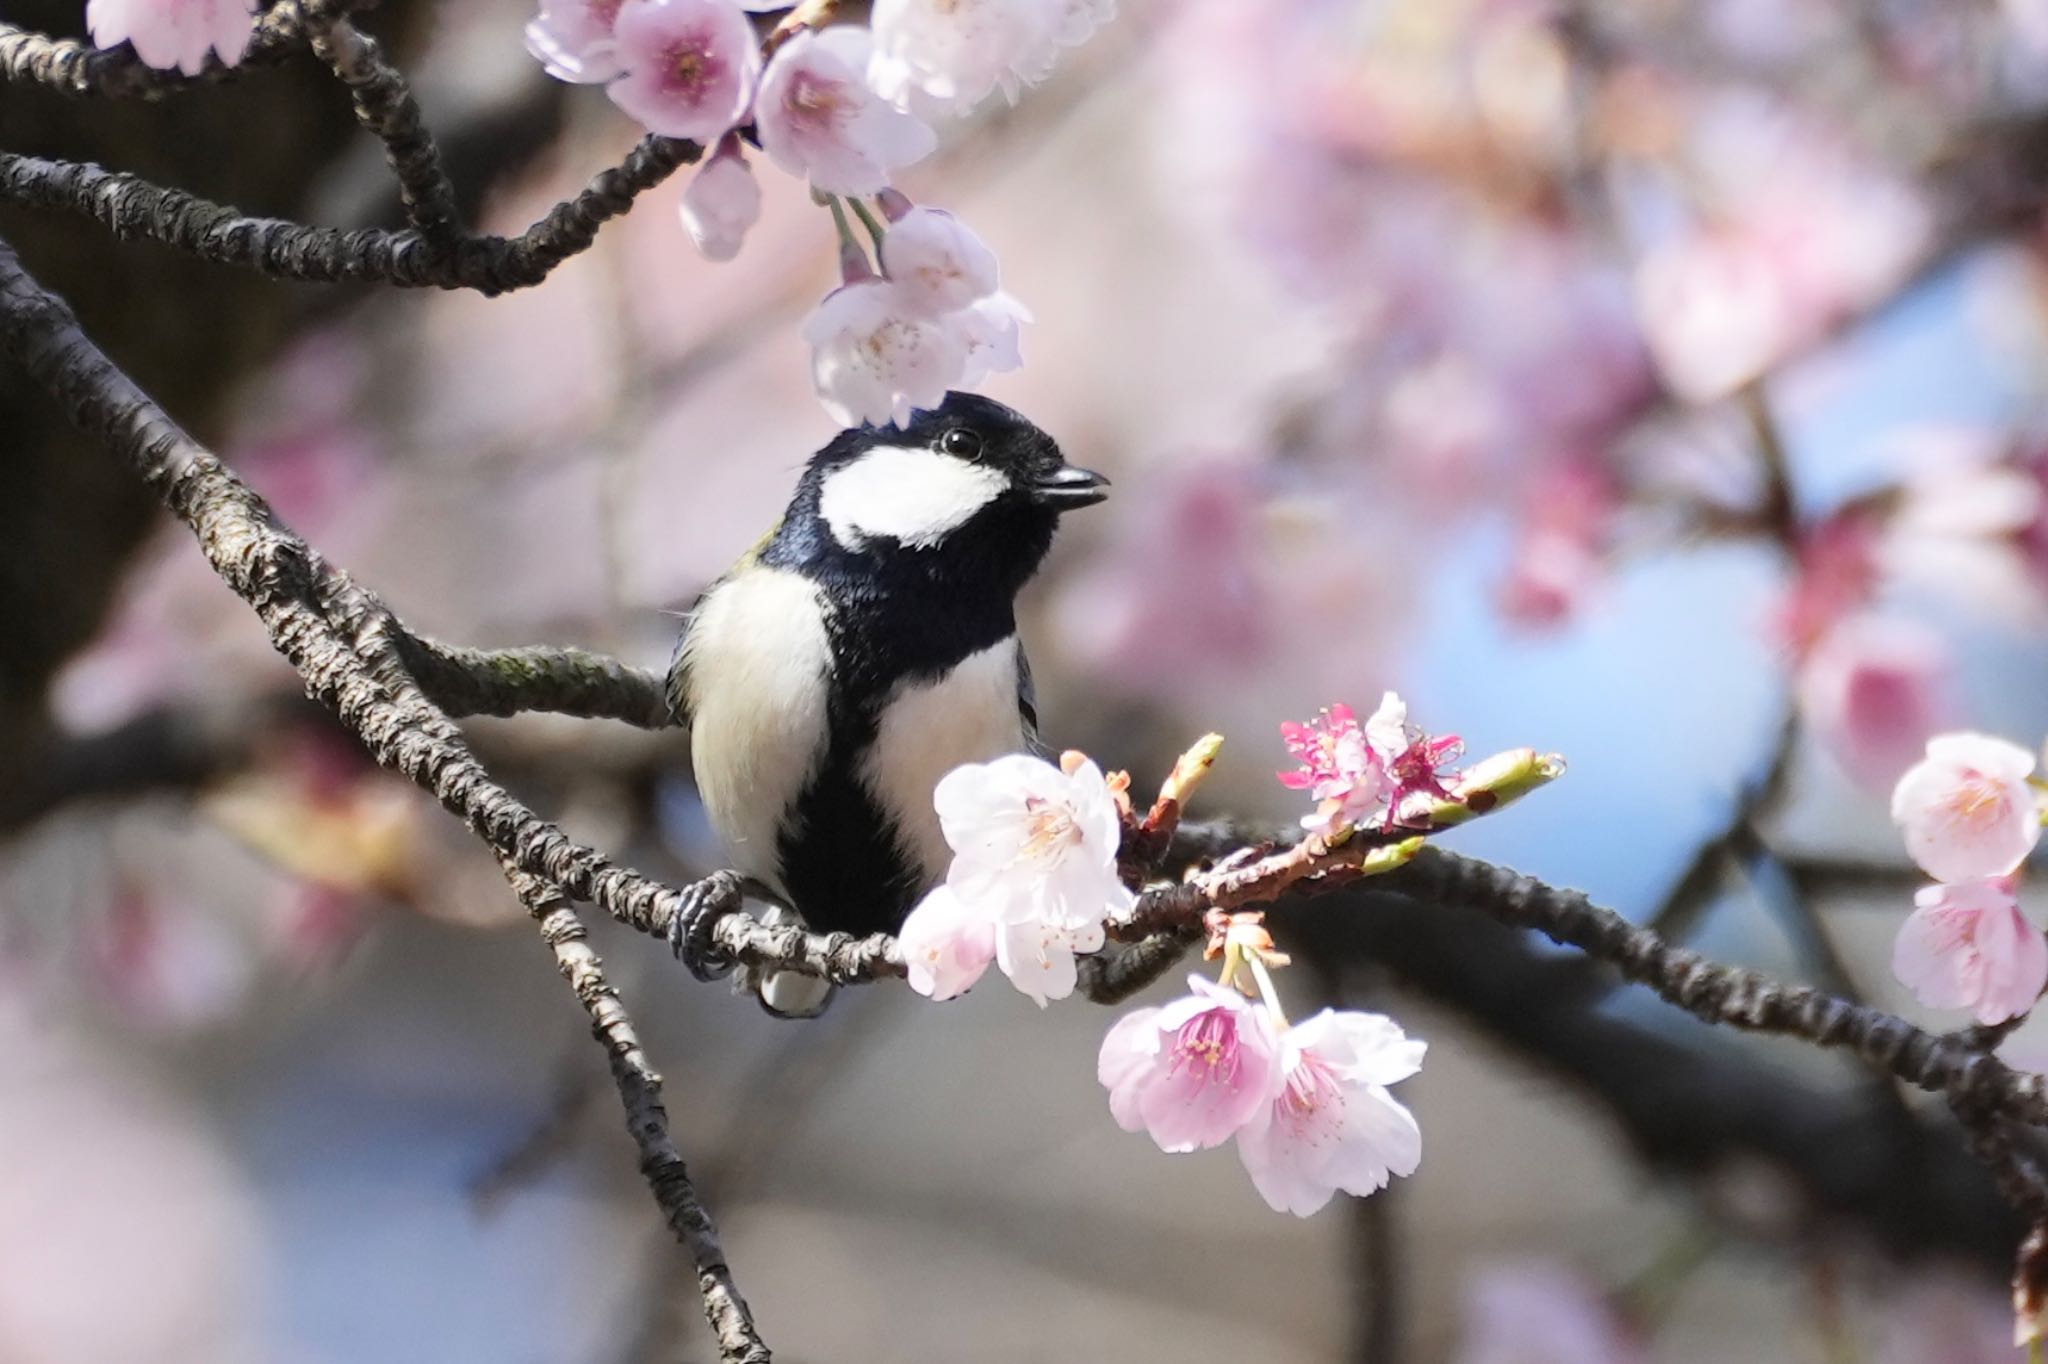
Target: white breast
[758,660]
[926,729]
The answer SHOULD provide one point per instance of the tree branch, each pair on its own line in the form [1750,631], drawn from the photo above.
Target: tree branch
[384,105]
[646,1118]
[130,207]
[71,67]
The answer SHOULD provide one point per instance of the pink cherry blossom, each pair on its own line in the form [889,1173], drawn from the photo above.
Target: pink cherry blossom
[1342,773]
[174,34]
[1968,946]
[1542,1314]
[1416,763]
[946,944]
[1967,810]
[936,57]
[1191,1073]
[689,65]
[1873,690]
[1333,1125]
[721,203]
[873,359]
[817,117]
[1567,510]
[1357,772]
[572,40]
[940,266]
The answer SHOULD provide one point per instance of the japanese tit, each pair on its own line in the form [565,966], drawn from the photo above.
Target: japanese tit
[864,648]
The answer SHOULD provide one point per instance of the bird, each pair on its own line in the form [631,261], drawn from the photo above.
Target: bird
[866,646]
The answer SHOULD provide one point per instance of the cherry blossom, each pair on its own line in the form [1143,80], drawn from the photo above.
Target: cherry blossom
[1339,769]
[689,65]
[1333,1125]
[936,57]
[946,944]
[1356,772]
[1032,881]
[873,360]
[721,203]
[1873,689]
[572,40]
[1416,763]
[939,265]
[817,117]
[174,34]
[1837,574]
[988,331]
[1967,810]
[1968,946]
[1192,1072]
[1033,842]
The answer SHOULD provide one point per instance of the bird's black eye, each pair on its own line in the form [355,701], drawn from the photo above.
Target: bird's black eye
[960,443]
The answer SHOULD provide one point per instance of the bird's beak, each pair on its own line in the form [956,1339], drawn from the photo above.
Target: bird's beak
[1068,487]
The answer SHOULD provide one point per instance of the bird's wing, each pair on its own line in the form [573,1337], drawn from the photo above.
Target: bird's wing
[678,689]
[1027,702]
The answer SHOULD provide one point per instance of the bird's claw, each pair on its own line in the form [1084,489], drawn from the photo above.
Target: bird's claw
[690,930]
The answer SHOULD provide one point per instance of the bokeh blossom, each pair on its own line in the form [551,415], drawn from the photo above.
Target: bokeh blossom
[174,34]
[1967,946]
[1539,1313]
[1966,810]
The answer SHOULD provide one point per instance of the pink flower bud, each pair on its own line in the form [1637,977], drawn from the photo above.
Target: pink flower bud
[721,203]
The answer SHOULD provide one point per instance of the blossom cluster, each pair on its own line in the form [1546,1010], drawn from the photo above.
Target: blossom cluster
[1367,773]
[1037,881]
[844,107]
[1970,813]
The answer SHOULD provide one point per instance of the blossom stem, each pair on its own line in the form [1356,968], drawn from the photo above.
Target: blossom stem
[1267,990]
[870,222]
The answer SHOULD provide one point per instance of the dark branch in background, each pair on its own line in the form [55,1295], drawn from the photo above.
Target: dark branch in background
[71,67]
[131,207]
[385,106]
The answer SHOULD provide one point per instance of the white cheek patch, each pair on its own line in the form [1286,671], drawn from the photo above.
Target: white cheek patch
[911,496]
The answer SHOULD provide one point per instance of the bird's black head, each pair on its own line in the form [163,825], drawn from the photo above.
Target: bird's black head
[967,493]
